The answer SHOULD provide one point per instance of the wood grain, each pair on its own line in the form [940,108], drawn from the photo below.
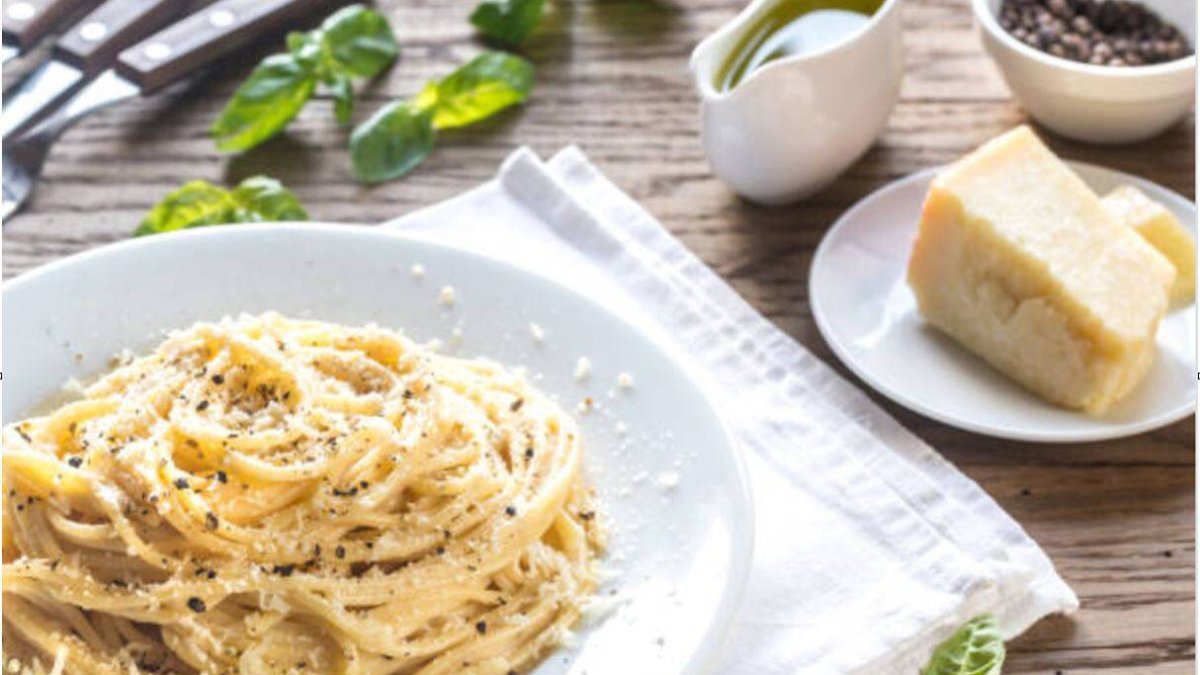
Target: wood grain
[1116,517]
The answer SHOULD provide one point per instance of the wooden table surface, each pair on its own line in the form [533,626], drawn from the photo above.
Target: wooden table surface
[1116,517]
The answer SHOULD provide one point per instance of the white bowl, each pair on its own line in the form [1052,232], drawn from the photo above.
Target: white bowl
[1098,104]
[679,556]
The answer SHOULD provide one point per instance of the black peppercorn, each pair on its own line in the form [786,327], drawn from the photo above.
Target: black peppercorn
[1115,33]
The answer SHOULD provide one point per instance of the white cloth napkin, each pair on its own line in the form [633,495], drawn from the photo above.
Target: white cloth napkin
[870,548]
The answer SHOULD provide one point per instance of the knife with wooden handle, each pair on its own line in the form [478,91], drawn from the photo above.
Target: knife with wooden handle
[27,21]
[93,44]
[205,36]
[169,55]
[179,50]
[82,51]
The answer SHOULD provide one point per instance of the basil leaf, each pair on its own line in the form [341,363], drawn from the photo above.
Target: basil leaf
[297,41]
[479,89]
[265,103]
[260,199]
[393,142]
[306,48]
[200,203]
[195,204]
[343,99]
[975,649]
[358,41]
[509,21]
[401,136]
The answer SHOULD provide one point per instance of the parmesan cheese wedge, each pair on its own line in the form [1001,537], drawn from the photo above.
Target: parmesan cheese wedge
[1162,230]
[1017,259]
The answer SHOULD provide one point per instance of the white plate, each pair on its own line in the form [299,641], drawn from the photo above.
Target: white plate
[868,315]
[680,557]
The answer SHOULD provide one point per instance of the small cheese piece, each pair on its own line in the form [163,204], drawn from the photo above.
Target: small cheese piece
[1158,226]
[1017,259]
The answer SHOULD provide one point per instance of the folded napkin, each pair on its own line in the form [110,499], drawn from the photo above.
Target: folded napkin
[870,548]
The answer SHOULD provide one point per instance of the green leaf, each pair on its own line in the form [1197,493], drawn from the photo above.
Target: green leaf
[358,42]
[509,21]
[297,41]
[343,99]
[265,103]
[479,89]
[200,203]
[261,199]
[306,48]
[975,649]
[352,42]
[393,142]
[195,204]
[399,137]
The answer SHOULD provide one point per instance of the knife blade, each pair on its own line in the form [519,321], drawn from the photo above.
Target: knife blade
[44,87]
[81,52]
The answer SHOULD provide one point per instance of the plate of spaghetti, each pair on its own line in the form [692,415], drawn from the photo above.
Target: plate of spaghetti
[331,449]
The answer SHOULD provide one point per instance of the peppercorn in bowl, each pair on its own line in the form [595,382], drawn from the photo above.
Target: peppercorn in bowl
[1102,71]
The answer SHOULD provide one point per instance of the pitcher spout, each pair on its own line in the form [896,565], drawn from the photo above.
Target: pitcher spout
[779,123]
[710,55]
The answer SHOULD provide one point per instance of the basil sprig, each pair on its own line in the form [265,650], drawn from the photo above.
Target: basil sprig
[400,136]
[975,649]
[354,42]
[255,200]
[357,42]
[508,21]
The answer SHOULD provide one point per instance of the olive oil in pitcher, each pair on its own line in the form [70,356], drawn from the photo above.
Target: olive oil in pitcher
[792,28]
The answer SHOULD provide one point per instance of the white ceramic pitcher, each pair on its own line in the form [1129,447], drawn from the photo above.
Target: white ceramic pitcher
[791,126]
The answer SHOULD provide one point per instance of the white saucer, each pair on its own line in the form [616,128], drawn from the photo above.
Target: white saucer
[867,313]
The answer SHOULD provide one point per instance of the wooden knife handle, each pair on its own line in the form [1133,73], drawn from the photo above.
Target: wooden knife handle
[27,21]
[207,35]
[93,43]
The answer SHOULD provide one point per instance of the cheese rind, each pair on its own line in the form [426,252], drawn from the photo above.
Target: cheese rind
[1162,230]
[1017,260]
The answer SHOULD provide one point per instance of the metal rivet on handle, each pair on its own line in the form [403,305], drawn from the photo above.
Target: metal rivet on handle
[93,31]
[157,51]
[21,11]
[221,18]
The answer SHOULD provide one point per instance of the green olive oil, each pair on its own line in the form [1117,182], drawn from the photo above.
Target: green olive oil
[790,28]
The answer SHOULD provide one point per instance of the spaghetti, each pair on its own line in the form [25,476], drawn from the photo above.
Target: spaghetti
[264,495]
